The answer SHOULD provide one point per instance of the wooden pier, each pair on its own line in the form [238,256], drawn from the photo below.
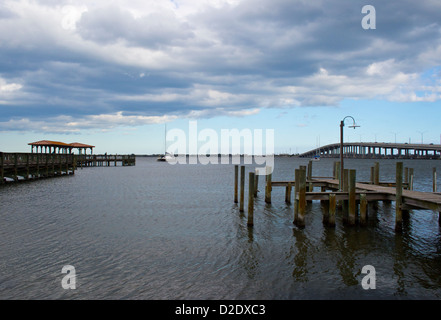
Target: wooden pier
[105,160]
[16,167]
[349,196]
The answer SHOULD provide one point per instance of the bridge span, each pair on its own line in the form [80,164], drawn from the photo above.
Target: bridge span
[374,150]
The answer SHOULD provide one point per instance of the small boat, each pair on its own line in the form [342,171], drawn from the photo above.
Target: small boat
[166,157]
[316,157]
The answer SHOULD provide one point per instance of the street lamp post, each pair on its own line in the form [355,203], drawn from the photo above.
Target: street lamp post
[342,124]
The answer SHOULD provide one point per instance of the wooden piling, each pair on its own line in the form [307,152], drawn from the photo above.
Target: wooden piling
[411,177]
[399,194]
[310,186]
[302,199]
[288,193]
[242,188]
[250,222]
[256,183]
[363,209]
[344,204]
[406,177]
[332,209]
[268,187]
[296,191]
[236,183]
[434,179]
[377,173]
[352,203]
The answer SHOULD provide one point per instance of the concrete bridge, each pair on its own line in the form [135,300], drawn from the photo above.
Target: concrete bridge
[380,150]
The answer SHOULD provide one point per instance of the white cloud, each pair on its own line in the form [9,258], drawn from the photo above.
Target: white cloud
[206,58]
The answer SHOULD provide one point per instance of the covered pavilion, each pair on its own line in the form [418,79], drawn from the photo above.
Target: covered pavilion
[59,147]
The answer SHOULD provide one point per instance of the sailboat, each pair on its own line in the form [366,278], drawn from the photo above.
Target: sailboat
[317,155]
[166,156]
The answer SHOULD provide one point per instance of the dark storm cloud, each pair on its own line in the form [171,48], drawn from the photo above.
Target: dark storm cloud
[151,59]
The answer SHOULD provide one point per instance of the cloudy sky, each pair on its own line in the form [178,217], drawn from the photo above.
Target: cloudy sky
[112,73]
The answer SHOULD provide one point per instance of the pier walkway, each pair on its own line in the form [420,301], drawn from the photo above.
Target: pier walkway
[16,167]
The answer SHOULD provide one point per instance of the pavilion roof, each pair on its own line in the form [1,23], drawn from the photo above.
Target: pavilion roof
[80,145]
[48,143]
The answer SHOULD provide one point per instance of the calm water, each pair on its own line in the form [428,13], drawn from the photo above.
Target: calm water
[157,231]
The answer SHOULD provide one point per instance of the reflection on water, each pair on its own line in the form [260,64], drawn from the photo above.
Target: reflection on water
[157,231]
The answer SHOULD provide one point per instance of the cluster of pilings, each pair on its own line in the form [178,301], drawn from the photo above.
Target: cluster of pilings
[339,192]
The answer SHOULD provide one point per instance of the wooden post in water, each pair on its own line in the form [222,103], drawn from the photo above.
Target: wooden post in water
[302,199]
[296,191]
[288,193]
[399,197]
[268,187]
[406,177]
[242,187]
[256,183]
[309,177]
[377,173]
[236,183]
[250,222]
[411,178]
[363,209]
[434,179]
[332,209]
[352,203]
[345,203]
